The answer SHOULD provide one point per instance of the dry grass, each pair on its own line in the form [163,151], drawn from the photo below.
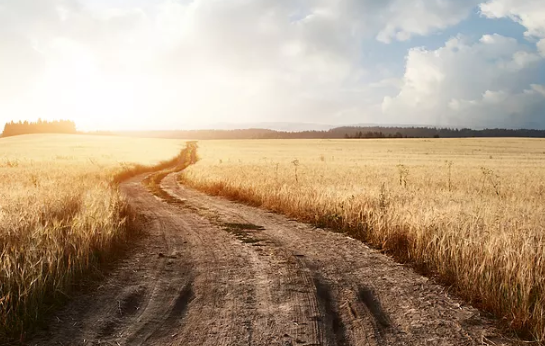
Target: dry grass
[471,211]
[60,214]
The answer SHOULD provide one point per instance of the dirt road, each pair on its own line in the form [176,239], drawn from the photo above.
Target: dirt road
[213,272]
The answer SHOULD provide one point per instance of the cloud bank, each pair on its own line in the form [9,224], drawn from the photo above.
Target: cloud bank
[491,82]
[164,64]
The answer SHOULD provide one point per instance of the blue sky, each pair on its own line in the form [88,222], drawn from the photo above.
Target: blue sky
[190,63]
[474,27]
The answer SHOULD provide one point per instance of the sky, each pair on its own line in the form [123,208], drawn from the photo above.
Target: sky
[176,64]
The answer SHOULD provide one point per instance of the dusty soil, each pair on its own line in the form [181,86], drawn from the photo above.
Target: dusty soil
[214,272]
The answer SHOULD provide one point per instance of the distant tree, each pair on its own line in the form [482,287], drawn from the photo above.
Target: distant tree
[41,126]
[339,132]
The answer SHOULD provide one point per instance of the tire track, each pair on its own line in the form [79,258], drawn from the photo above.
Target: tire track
[211,272]
[366,298]
[302,323]
[336,328]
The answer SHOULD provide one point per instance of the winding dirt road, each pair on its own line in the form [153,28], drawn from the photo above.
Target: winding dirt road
[214,272]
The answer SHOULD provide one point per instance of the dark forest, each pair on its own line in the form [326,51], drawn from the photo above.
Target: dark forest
[348,132]
[336,133]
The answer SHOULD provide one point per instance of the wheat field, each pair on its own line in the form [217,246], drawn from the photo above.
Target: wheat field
[60,214]
[470,212]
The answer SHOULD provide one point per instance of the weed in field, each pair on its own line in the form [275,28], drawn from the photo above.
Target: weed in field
[483,233]
[449,174]
[295,169]
[492,178]
[403,174]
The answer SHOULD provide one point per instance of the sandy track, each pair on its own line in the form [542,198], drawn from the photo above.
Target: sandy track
[213,272]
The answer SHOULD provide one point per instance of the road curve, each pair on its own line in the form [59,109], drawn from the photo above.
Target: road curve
[213,272]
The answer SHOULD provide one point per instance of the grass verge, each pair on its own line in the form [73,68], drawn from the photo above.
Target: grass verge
[467,213]
[75,225]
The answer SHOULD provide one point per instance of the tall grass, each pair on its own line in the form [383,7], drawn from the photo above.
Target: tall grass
[61,217]
[470,212]
[50,239]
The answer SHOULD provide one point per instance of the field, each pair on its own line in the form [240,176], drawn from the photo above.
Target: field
[468,212]
[471,212]
[61,214]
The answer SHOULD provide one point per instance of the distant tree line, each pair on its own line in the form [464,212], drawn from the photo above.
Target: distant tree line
[336,133]
[375,134]
[433,132]
[22,128]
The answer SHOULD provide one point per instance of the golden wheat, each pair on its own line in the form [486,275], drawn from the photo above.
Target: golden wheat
[59,214]
[471,211]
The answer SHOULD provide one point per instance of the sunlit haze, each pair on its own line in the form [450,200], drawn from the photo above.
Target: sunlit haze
[165,64]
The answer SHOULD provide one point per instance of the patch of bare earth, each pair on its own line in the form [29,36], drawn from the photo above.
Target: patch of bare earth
[214,272]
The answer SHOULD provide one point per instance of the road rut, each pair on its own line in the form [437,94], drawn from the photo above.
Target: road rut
[213,272]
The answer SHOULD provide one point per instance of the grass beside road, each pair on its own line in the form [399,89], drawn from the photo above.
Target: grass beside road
[469,211]
[62,216]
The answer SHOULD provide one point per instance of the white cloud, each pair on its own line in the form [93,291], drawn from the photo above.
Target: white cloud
[529,13]
[256,59]
[470,84]
[510,110]
[408,18]
[541,47]
[171,62]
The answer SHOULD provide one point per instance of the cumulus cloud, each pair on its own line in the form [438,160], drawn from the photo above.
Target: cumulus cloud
[408,18]
[491,82]
[21,27]
[510,110]
[173,62]
[529,13]
[541,46]
[216,60]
